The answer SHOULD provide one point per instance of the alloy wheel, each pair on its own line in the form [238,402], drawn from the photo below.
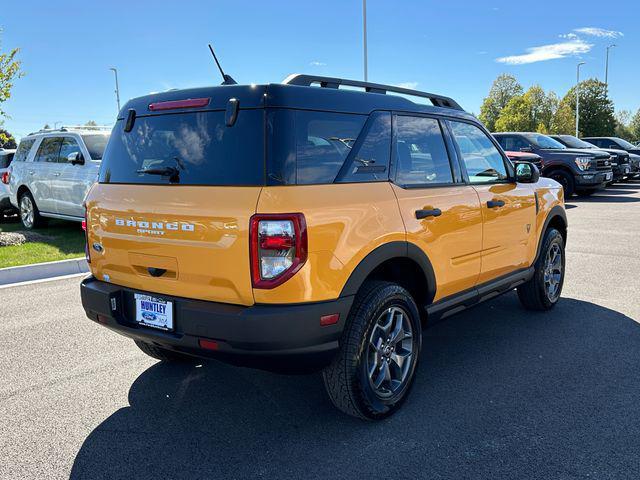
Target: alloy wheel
[390,353]
[553,272]
[27,211]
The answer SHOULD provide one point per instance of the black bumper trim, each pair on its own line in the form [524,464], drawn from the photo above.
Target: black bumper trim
[250,336]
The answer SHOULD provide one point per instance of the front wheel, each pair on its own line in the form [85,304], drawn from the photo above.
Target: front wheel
[373,371]
[29,213]
[543,291]
[566,180]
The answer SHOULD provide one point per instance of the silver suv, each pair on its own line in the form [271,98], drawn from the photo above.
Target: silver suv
[52,172]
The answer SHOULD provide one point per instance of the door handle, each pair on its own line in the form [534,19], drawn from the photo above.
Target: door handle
[31,172]
[495,203]
[56,174]
[435,212]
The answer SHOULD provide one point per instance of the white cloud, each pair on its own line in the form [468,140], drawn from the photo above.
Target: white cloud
[316,63]
[570,36]
[548,52]
[409,85]
[598,32]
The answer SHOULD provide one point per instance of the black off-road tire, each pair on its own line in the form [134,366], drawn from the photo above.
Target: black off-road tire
[533,294]
[164,354]
[345,380]
[565,179]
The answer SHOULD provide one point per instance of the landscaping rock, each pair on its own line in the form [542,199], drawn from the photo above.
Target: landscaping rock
[8,239]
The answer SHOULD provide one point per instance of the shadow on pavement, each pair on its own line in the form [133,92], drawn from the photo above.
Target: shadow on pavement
[500,393]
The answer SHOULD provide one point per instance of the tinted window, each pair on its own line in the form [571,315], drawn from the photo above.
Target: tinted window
[95,145]
[69,146]
[23,150]
[198,147]
[421,154]
[5,159]
[512,143]
[49,150]
[543,141]
[482,159]
[368,160]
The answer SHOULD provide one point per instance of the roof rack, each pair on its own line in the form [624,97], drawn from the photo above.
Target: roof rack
[332,82]
[71,128]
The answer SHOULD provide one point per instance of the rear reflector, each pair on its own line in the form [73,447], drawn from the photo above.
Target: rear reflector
[208,344]
[332,319]
[176,104]
[103,319]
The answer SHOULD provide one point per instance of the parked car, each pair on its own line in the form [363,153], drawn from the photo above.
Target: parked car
[613,142]
[265,225]
[620,162]
[53,171]
[518,157]
[6,156]
[578,171]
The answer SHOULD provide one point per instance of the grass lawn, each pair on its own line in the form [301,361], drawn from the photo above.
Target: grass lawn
[66,241]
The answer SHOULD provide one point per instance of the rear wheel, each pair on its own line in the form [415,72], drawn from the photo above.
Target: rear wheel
[373,372]
[29,213]
[566,180]
[543,291]
[163,354]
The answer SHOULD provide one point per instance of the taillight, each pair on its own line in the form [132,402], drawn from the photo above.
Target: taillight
[278,248]
[86,235]
[6,175]
[176,104]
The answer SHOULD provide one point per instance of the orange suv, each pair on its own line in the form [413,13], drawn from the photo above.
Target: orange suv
[303,226]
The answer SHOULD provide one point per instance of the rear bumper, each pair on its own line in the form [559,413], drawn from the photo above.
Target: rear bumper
[271,337]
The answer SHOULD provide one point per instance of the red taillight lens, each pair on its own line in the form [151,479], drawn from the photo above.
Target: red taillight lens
[278,248]
[4,178]
[176,104]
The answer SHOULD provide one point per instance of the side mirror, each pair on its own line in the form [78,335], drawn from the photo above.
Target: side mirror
[526,150]
[75,158]
[527,172]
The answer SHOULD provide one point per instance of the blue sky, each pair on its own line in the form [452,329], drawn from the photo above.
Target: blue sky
[455,48]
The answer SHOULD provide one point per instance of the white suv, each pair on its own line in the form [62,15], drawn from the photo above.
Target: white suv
[52,172]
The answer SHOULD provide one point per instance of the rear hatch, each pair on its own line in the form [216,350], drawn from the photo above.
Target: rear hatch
[177,187]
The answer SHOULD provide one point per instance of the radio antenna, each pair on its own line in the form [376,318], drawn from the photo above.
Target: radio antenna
[226,79]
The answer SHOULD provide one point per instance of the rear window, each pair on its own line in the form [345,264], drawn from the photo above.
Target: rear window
[187,149]
[96,145]
[5,159]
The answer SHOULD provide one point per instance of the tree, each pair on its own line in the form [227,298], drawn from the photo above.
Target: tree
[6,139]
[531,112]
[623,122]
[596,111]
[634,126]
[504,88]
[91,124]
[9,72]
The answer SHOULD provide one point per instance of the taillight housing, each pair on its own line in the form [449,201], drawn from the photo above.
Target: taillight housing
[6,175]
[278,248]
[85,227]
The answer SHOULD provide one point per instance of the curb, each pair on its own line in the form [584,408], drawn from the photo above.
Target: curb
[39,271]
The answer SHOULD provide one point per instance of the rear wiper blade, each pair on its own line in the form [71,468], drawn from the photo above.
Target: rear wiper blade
[164,171]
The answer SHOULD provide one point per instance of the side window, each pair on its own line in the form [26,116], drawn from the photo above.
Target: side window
[512,143]
[23,150]
[421,154]
[482,159]
[368,160]
[323,141]
[5,160]
[69,146]
[49,150]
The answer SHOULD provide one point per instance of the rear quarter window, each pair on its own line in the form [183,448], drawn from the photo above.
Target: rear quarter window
[23,150]
[199,146]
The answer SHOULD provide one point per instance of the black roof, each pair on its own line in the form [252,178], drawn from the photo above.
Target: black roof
[302,96]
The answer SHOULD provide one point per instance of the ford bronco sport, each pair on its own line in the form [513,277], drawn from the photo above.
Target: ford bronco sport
[302,225]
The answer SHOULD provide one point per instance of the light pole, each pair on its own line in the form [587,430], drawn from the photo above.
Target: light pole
[364,37]
[115,72]
[578,96]
[606,67]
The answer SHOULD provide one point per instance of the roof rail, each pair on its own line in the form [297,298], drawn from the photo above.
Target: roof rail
[332,82]
[71,128]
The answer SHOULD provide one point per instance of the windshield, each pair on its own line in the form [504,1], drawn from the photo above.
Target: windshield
[542,141]
[625,144]
[96,145]
[574,142]
[187,149]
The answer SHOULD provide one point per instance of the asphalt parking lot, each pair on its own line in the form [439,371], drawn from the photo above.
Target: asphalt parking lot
[500,393]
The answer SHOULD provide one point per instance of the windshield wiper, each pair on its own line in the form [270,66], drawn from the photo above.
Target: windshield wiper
[171,172]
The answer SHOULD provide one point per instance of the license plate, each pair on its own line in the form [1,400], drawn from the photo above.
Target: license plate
[609,176]
[154,312]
